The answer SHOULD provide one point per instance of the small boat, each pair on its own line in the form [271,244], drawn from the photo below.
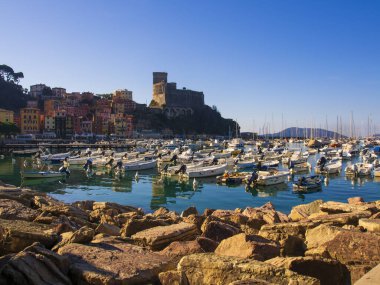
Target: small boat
[233,178]
[376,172]
[307,184]
[206,171]
[25,152]
[301,167]
[267,178]
[364,169]
[42,174]
[332,167]
[140,165]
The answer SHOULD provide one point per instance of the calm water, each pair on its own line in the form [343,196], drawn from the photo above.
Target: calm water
[150,192]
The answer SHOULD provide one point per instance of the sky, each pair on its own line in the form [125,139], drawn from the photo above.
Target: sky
[276,63]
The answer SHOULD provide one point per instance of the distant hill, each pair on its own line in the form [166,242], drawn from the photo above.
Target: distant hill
[306,133]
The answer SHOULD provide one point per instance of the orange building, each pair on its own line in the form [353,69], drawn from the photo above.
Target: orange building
[30,120]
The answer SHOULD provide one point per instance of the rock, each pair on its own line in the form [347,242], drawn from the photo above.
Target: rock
[179,249]
[251,282]
[159,237]
[160,211]
[67,210]
[122,218]
[355,200]
[252,246]
[110,261]
[86,205]
[208,212]
[231,216]
[266,213]
[327,271]
[108,229]
[371,225]
[289,235]
[83,235]
[189,211]
[340,219]
[113,206]
[196,220]
[45,218]
[173,278]
[375,216]
[139,223]
[13,210]
[208,268]
[357,250]
[17,235]
[301,212]
[36,265]
[207,244]
[219,231]
[39,202]
[337,207]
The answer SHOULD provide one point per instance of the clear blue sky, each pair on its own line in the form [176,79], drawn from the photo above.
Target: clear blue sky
[255,60]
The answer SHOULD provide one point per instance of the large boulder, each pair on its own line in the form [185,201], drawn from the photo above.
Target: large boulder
[114,206]
[108,229]
[219,231]
[17,234]
[338,207]
[139,223]
[371,225]
[13,210]
[159,237]
[266,213]
[208,268]
[327,271]
[340,219]
[189,211]
[173,277]
[178,249]
[301,212]
[36,265]
[110,261]
[234,217]
[248,246]
[67,210]
[359,251]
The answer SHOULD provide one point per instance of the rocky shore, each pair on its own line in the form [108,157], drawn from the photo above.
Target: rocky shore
[45,241]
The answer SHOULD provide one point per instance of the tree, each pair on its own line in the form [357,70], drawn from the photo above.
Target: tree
[47,92]
[7,74]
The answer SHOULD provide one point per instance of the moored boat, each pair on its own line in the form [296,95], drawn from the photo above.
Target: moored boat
[307,184]
[42,174]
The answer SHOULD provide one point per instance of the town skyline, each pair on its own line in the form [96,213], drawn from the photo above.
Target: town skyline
[257,62]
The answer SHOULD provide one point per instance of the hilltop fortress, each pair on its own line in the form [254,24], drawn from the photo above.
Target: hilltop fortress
[174,102]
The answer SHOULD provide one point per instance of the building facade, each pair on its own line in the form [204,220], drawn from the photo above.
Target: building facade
[6,116]
[122,94]
[59,92]
[30,120]
[36,90]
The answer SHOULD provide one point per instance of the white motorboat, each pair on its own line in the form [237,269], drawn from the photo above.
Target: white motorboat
[272,177]
[364,169]
[42,174]
[307,184]
[332,167]
[175,170]
[206,171]
[300,167]
[140,165]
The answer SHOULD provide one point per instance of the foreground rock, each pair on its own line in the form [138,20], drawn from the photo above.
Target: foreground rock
[301,212]
[159,237]
[17,234]
[13,210]
[248,246]
[327,271]
[35,265]
[208,268]
[110,261]
[359,251]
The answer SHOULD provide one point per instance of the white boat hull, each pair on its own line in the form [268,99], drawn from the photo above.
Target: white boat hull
[141,165]
[207,171]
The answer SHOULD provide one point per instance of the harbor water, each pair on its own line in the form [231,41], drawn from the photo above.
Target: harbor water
[151,191]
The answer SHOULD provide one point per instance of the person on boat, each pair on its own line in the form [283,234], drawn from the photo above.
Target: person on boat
[301,181]
[88,165]
[65,166]
[109,162]
[182,169]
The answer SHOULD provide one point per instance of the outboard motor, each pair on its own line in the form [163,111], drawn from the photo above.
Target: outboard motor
[253,178]
[236,161]
[182,169]
[109,162]
[321,162]
[174,159]
[166,167]
[215,161]
[88,165]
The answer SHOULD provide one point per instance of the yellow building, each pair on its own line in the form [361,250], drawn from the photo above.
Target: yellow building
[30,120]
[6,116]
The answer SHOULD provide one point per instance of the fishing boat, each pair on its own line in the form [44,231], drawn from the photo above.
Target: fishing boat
[301,167]
[233,178]
[206,171]
[332,167]
[140,165]
[176,169]
[307,184]
[42,174]
[376,172]
[267,178]
[25,152]
[364,169]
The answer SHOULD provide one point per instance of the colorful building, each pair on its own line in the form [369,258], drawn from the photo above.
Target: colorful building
[123,125]
[30,120]
[36,90]
[6,116]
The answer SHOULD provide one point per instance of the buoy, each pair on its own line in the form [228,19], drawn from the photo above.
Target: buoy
[195,184]
[137,175]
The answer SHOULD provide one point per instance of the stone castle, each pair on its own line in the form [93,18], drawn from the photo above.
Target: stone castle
[174,102]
